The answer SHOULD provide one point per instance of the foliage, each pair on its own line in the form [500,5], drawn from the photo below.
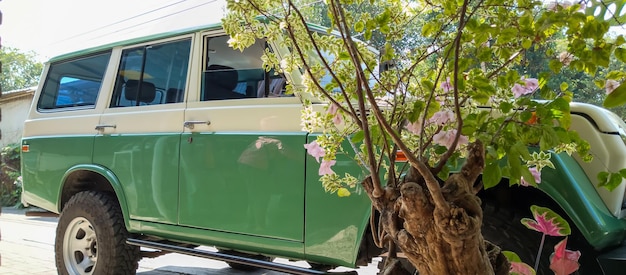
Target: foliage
[455,99]
[19,70]
[10,179]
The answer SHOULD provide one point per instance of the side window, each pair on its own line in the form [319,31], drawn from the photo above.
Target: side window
[232,74]
[73,84]
[153,74]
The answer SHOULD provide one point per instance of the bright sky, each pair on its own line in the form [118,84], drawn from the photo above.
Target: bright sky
[52,27]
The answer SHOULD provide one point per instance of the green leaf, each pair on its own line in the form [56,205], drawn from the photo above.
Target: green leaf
[359,26]
[620,54]
[358,137]
[512,256]
[613,180]
[492,175]
[616,98]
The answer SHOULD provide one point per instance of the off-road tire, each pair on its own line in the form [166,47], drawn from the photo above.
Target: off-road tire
[91,230]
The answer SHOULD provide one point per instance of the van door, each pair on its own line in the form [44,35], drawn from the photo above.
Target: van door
[140,130]
[242,157]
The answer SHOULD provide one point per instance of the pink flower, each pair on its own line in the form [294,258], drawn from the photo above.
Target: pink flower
[315,150]
[530,85]
[446,138]
[337,119]
[536,174]
[442,117]
[325,167]
[415,127]
[611,85]
[333,110]
[446,85]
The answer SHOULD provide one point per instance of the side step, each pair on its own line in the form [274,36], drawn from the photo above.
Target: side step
[233,259]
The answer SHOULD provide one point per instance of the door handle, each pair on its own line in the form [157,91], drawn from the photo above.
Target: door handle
[102,126]
[190,124]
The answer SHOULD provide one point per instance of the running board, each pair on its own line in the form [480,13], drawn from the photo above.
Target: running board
[234,259]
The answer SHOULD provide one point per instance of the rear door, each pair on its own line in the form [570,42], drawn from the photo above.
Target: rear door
[139,132]
[242,154]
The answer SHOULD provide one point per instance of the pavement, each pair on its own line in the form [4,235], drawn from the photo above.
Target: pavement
[27,247]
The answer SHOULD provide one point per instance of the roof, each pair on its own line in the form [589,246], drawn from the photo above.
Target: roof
[17,94]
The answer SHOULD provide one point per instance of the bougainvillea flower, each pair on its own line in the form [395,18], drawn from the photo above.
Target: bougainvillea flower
[536,174]
[446,138]
[332,109]
[325,167]
[415,127]
[611,85]
[564,262]
[315,150]
[446,85]
[442,117]
[530,85]
[547,222]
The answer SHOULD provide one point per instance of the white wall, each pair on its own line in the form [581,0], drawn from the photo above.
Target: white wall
[14,113]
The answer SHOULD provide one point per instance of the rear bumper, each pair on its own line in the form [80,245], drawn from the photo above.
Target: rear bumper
[613,262]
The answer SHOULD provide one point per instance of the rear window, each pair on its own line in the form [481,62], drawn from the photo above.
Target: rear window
[73,84]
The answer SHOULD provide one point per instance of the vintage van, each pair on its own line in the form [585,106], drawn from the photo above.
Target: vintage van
[175,140]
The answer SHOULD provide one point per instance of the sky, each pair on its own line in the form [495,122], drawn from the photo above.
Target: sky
[53,27]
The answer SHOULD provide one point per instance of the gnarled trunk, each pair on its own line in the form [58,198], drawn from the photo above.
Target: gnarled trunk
[439,240]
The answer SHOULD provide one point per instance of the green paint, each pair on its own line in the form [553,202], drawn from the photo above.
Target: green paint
[45,165]
[571,189]
[334,225]
[243,183]
[147,167]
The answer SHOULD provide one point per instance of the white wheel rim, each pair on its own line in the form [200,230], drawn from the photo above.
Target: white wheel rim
[80,250]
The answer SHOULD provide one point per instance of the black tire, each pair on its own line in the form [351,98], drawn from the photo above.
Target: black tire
[243,267]
[91,237]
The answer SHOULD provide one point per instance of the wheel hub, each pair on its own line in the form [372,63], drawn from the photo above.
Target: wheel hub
[80,247]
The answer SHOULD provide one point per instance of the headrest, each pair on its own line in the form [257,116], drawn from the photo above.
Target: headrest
[222,76]
[148,91]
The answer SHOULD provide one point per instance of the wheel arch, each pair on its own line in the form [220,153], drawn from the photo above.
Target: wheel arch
[568,191]
[84,177]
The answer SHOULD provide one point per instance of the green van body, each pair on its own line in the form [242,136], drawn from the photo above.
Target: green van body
[240,180]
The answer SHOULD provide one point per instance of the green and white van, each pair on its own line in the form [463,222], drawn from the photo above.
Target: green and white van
[175,140]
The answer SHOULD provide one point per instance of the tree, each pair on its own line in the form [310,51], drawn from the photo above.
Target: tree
[19,70]
[454,100]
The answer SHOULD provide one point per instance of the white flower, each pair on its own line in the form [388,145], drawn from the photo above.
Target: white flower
[566,58]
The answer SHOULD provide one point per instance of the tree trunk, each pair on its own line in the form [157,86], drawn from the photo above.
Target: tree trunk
[440,241]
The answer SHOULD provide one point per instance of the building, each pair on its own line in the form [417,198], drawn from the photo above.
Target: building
[14,107]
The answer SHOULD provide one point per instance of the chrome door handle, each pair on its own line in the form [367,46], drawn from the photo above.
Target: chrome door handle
[190,124]
[102,126]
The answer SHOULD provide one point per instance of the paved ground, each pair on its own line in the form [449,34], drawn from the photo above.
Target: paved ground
[27,247]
